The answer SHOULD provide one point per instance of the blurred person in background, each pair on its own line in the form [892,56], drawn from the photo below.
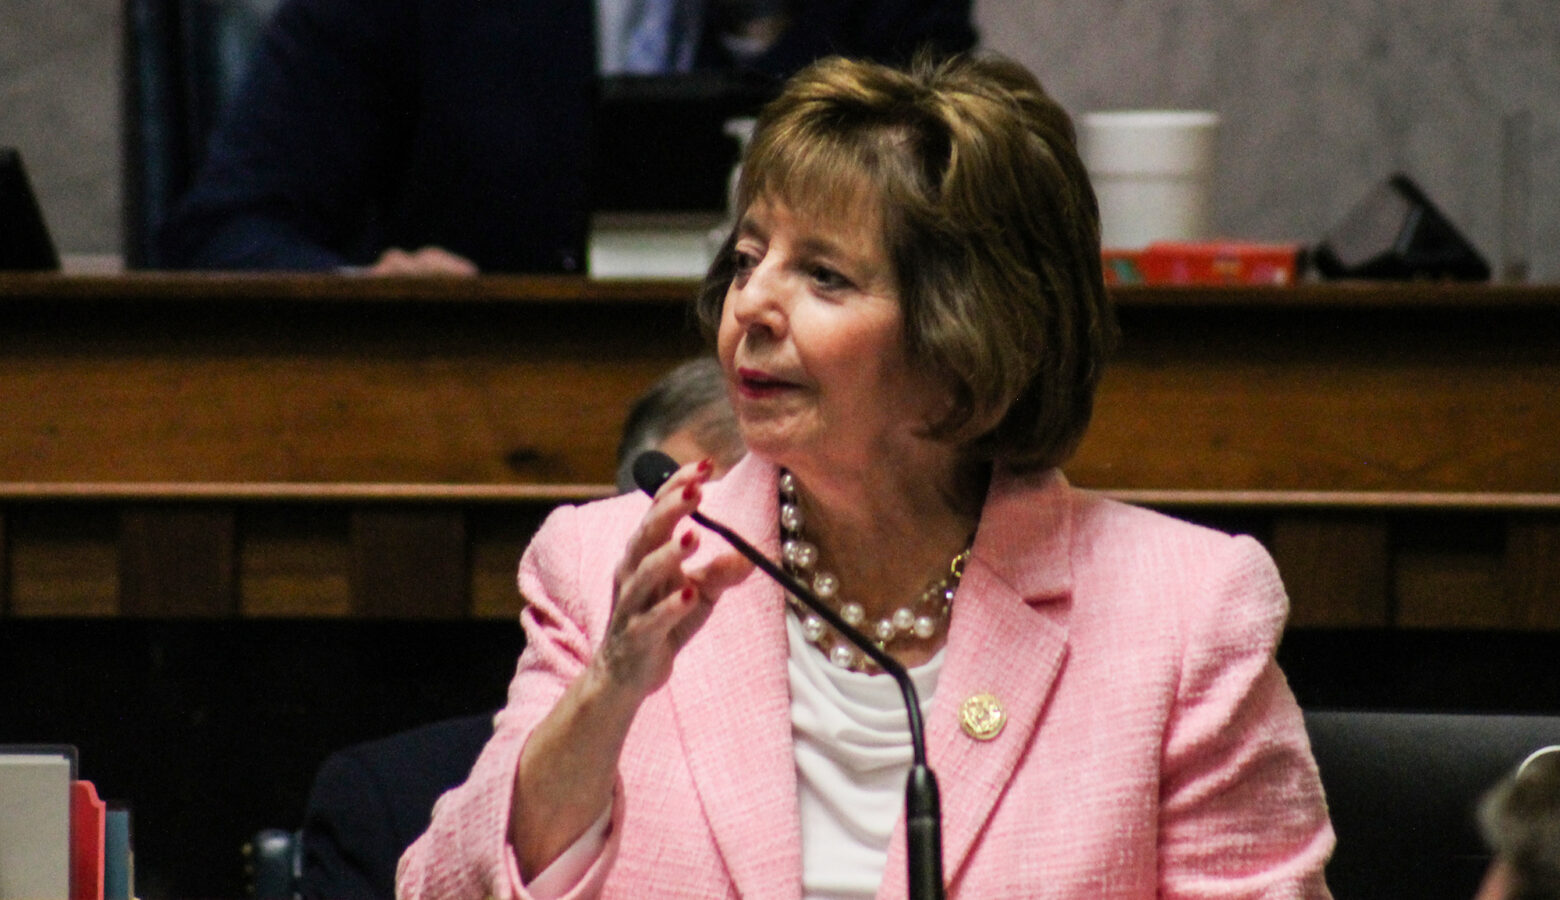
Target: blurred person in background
[451,137]
[685,415]
[1520,820]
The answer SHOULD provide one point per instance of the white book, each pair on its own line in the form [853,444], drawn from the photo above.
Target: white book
[35,822]
[653,245]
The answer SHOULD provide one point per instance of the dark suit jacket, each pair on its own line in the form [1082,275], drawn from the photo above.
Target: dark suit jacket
[371,800]
[886,30]
[368,124]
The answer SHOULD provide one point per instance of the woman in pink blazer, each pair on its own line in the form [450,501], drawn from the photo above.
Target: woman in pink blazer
[911,317]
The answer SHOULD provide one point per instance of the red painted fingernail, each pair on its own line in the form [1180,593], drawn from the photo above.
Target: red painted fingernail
[705,465]
[687,594]
[687,539]
[690,492]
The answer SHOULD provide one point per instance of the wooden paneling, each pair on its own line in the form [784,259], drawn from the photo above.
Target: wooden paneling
[409,564]
[295,561]
[1532,572]
[1448,572]
[506,380]
[1399,561]
[1325,399]
[316,446]
[497,536]
[303,387]
[177,561]
[1336,568]
[64,559]
[442,552]
[261,551]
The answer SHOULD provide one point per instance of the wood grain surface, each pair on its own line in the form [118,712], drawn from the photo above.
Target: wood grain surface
[283,446]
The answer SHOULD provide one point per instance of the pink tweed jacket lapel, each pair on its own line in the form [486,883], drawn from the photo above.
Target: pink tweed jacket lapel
[730,697]
[1007,638]
[732,703]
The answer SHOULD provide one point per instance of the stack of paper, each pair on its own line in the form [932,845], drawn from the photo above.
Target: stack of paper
[35,822]
[57,839]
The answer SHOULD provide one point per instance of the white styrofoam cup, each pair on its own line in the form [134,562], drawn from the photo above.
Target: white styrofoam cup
[1152,171]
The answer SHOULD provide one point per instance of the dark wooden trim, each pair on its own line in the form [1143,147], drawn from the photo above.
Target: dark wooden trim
[177,561]
[300,492]
[483,494]
[284,288]
[1354,295]
[410,563]
[1532,573]
[1336,568]
[397,551]
[1452,501]
[5,570]
[220,287]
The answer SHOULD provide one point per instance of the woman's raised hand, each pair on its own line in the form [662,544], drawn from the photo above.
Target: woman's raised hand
[659,602]
[566,771]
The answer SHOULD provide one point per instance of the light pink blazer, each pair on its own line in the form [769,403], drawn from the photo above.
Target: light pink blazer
[1152,747]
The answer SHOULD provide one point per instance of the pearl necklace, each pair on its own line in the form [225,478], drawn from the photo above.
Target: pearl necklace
[924,617]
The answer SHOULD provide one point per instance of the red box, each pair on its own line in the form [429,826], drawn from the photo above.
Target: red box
[1213,262]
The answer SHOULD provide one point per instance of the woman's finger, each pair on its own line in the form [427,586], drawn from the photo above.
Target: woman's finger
[721,572]
[657,575]
[642,646]
[656,605]
[678,497]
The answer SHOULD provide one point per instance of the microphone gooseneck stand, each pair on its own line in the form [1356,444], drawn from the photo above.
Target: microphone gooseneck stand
[923,810]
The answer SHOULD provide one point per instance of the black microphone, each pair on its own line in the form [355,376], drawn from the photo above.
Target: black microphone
[923,810]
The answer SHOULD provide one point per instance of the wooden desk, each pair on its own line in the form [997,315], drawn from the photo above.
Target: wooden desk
[321,424]
[192,378]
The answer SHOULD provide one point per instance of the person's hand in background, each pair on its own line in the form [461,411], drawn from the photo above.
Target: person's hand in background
[425,261]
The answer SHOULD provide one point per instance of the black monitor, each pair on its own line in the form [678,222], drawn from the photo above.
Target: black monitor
[25,244]
[660,142]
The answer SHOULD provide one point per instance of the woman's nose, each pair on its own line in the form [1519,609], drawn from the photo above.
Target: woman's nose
[759,299]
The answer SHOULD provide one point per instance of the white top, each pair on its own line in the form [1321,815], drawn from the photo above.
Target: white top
[852,745]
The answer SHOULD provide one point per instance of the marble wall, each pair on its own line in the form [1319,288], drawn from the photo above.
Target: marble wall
[59,105]
[1321,100]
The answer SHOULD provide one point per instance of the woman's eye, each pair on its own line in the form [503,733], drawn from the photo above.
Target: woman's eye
[743,261]
[828,279]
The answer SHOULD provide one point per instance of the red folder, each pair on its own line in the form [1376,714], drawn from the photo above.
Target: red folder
[88,816]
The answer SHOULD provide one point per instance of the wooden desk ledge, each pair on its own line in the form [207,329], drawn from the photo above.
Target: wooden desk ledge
[208,287]
[299,492]
[482,494]
[1440,501]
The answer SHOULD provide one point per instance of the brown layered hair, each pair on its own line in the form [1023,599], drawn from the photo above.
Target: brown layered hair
[989,221]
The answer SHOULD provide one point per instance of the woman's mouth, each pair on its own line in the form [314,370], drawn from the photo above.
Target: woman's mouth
[755,384]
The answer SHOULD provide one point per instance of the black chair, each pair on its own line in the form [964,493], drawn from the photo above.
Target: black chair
[368,803]
[183,60]
[1402,789]
[273,864]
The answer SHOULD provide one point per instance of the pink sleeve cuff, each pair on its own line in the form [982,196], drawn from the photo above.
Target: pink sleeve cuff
[566,873]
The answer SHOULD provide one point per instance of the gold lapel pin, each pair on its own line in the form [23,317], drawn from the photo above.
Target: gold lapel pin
[982,716]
